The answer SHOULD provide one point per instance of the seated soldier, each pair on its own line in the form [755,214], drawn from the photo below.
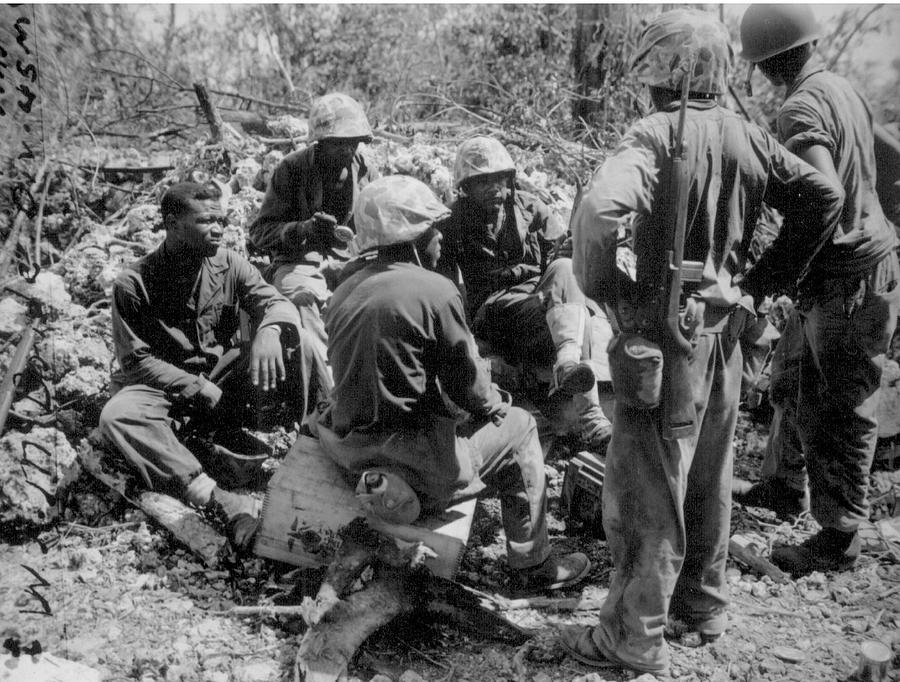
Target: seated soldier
[174,317]
[404,363]
[306,219]
[524,303]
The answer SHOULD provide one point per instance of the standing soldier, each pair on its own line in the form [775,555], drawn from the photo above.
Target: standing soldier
[667,491]
[849,301]
[306,219]
[401,352]
[521,301]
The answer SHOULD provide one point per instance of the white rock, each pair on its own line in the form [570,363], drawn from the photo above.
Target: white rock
[50,289]
[33,474]
[142,217]
[245,172]
[289,126]
[44,668]
[13,316]
[259,671]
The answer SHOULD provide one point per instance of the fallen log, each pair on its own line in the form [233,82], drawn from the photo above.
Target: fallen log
[311,518]
[184,523]
[326,650]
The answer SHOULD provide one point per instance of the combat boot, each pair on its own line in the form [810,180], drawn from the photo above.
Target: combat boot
[240,512]
[828,550]
[771,493]
[555,573]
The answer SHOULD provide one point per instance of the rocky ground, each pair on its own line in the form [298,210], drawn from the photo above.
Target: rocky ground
[102,591]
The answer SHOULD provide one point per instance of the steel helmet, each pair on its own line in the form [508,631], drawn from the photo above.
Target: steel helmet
[767,30]
[340,116]
[677,39]
[395,209]
[481,156]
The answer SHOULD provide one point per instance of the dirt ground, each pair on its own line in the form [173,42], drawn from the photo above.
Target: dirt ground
[109,589]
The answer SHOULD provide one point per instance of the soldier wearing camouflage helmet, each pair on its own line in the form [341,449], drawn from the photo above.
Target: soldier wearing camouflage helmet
[667,496]
[851,292]
[402,353]
[306,219]
[500,244]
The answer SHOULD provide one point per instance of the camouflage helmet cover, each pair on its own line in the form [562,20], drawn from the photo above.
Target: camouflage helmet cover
[395,209]
[481,156]
[337,115]
[677,39]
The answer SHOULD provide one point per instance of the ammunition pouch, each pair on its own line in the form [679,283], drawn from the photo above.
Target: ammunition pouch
[636,368]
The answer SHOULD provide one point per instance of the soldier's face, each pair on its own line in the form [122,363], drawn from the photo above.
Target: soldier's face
[199,230]
[488,191]
[337,152]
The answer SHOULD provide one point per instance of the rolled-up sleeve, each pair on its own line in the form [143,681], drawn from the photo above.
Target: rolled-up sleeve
[801,125]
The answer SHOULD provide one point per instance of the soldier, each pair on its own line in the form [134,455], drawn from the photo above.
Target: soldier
[403,359]
[848,303]
[174,315]
[667,499]
[306,219]
[523,302]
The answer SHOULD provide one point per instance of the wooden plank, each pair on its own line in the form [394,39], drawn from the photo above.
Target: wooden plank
[309,500]
[186,524]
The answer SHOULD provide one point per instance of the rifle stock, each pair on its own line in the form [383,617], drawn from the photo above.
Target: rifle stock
[678,414]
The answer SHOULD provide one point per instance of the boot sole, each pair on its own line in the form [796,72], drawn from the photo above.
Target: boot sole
[529,590]
[580,380]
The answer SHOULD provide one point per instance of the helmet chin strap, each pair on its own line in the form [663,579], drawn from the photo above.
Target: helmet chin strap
[748,87]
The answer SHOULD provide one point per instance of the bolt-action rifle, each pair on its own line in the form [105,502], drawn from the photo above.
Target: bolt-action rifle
[677,412]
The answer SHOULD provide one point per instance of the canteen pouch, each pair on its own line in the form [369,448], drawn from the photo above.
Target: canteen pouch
[636,366]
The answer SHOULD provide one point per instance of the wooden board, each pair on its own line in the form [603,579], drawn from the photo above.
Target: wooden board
[308,501]
[185,523]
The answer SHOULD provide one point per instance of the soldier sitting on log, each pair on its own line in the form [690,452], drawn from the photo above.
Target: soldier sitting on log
[175,313]
[401,351]
[523,301]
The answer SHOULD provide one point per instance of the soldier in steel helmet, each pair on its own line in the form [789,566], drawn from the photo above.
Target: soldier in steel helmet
[523,301]
[848,303]
[306,219]
[404,361]
[667,495]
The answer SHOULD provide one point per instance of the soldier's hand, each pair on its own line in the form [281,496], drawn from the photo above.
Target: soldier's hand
[266,359]
[502,278]
[325,223]
[692,317]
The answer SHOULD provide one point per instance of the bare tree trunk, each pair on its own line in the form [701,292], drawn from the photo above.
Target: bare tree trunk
[170,37]
[588,52]
[210,112]
[273,48]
